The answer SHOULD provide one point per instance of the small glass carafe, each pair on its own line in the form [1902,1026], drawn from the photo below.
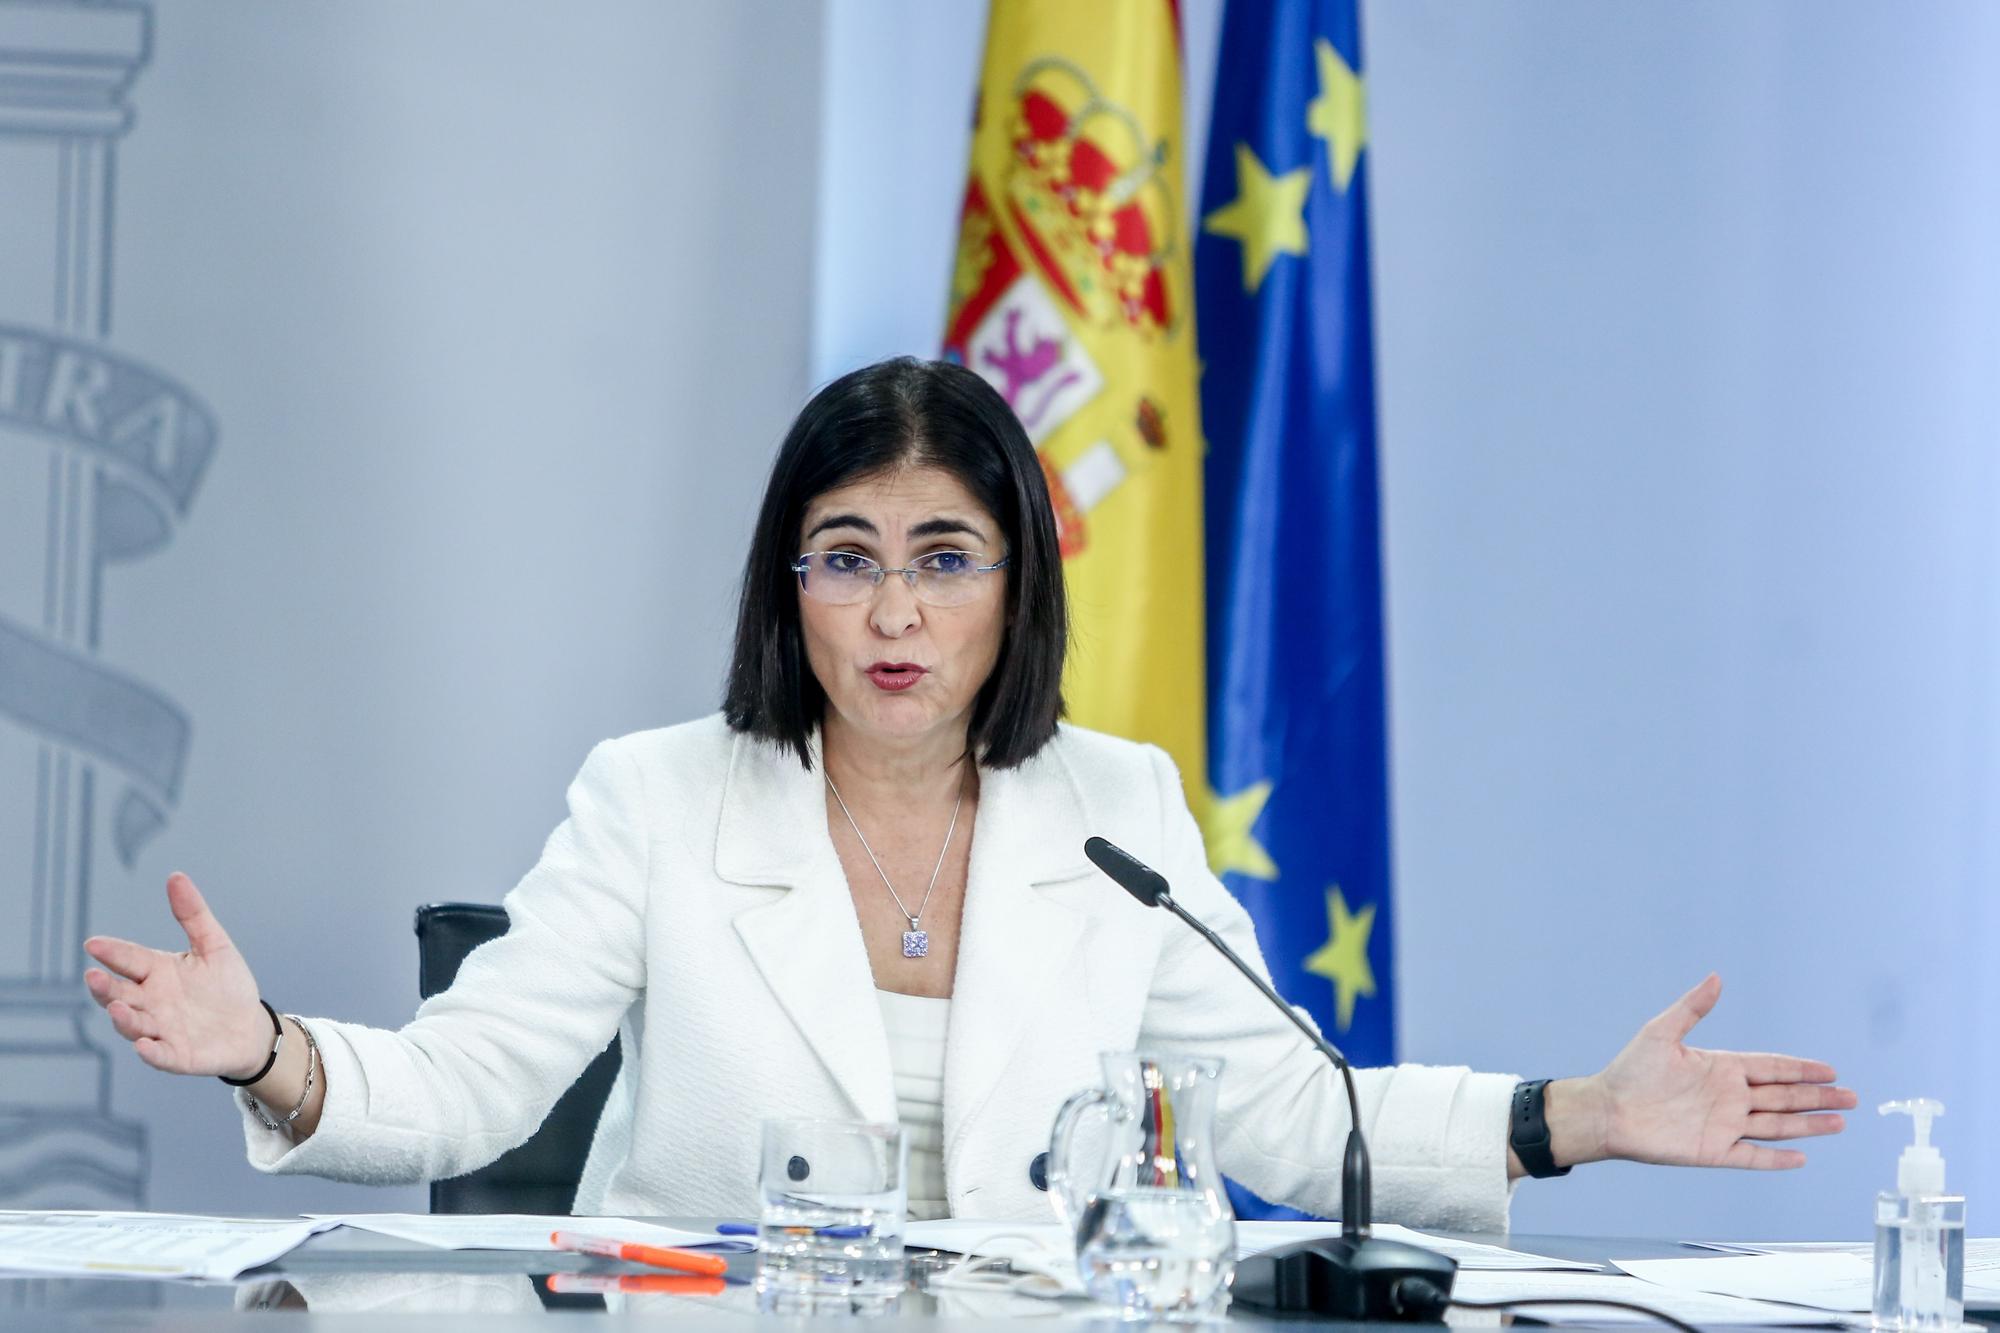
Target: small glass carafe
[1155,1236]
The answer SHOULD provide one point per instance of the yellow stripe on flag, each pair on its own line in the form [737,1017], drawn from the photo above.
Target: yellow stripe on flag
[1072,294]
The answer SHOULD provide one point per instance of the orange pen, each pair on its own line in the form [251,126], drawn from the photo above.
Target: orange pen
[672,1284]
[686,1261]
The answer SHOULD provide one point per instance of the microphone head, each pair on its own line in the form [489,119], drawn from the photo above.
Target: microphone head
[1133,875]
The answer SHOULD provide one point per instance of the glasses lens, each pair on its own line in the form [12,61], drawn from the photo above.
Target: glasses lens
[839,577]
[949,578]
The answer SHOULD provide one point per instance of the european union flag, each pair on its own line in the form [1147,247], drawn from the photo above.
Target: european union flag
[1297,729]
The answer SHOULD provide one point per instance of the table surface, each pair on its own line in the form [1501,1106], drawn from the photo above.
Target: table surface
[347,1278]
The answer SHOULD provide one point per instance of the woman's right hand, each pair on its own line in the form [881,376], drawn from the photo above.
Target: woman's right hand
[195,1012]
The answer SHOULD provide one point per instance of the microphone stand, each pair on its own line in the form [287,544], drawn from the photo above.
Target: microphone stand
[1356,1275]
[1356,1178]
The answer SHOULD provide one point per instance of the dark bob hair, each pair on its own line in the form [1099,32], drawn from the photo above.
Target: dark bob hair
[894,414]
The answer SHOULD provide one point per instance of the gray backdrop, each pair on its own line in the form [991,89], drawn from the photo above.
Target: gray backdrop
[500,310]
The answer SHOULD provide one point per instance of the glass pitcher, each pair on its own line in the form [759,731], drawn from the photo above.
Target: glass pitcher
[1155,1236]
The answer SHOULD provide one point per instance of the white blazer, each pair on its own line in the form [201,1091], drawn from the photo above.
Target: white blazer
[694,903]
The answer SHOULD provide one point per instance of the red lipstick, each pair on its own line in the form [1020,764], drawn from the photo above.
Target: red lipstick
[894,676]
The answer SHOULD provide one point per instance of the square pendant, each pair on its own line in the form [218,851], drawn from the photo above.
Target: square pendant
[916,943]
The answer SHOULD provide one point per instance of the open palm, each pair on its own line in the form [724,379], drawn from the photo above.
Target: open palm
[1665,1101]
[194,1012]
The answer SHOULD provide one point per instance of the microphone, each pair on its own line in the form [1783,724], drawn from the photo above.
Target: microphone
[1131,874]
[1356,1276]
[1149,886]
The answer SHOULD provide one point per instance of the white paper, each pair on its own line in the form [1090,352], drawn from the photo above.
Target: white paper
[974,1235]
[146,1245]
[512,1231]
[1982,1253]
[1822,1279]
[1826,1275]
[1780,1246]
[966,1235]
[1783,1246]
[1982,1269]
[1257,1237]
[1696,1307]
[1979,1250]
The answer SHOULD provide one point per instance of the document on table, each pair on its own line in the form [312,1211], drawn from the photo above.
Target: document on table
[1257,1237]
[1982,1271]
[1780,1246]
[964,1235]
[1982,1253]
[1696,1307]
[1827,1277]
[146,1245]
[511,1231]
[988,1236]
[1823,1279]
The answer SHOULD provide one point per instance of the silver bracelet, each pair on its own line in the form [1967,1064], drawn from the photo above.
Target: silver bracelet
[312,1063]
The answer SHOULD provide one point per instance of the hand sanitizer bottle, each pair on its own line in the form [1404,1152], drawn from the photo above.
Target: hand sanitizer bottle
[1919,1236]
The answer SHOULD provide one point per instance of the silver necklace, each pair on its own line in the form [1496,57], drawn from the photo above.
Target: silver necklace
[916,940]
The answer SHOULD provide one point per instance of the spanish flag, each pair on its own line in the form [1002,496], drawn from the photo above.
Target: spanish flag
[1072,294]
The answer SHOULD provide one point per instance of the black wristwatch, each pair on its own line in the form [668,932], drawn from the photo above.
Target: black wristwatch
[1528,1131]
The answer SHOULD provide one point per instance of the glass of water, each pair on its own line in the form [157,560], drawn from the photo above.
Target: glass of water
[832,1201]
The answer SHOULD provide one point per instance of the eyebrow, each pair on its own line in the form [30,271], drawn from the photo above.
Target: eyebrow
[945,527]
[842,521]
[930,527]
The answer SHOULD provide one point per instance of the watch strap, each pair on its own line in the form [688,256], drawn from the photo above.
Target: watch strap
[1528,1130]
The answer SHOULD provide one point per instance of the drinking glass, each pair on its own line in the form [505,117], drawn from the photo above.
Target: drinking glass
[833,1197]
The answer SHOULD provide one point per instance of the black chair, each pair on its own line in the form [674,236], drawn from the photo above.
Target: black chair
[540,1176]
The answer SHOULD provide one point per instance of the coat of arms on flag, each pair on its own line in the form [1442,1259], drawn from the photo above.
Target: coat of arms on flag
[1071,296]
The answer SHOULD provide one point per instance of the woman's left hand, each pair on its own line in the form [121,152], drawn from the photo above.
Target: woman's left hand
[1661,1100]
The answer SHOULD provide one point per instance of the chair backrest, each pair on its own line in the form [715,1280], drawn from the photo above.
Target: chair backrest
[539,1176]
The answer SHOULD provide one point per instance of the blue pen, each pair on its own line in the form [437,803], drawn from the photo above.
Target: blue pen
[836,1233]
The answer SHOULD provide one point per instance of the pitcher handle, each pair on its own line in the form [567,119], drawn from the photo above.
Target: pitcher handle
[1068,1196]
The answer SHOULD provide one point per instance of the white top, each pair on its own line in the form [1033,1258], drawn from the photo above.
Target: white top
[693,903]
[916,1026]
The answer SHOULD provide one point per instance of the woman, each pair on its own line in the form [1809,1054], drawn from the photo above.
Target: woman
[860,891]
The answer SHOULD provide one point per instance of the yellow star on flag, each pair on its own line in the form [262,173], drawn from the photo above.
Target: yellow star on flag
[1268,215]
[1339,114]
[1343,959]
[1225,827]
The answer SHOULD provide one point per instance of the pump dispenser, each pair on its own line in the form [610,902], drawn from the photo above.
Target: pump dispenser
[1920,1170]
[1919,1235]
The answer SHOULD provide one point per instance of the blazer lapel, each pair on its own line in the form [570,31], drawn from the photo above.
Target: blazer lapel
[807,943]
[1015,941]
